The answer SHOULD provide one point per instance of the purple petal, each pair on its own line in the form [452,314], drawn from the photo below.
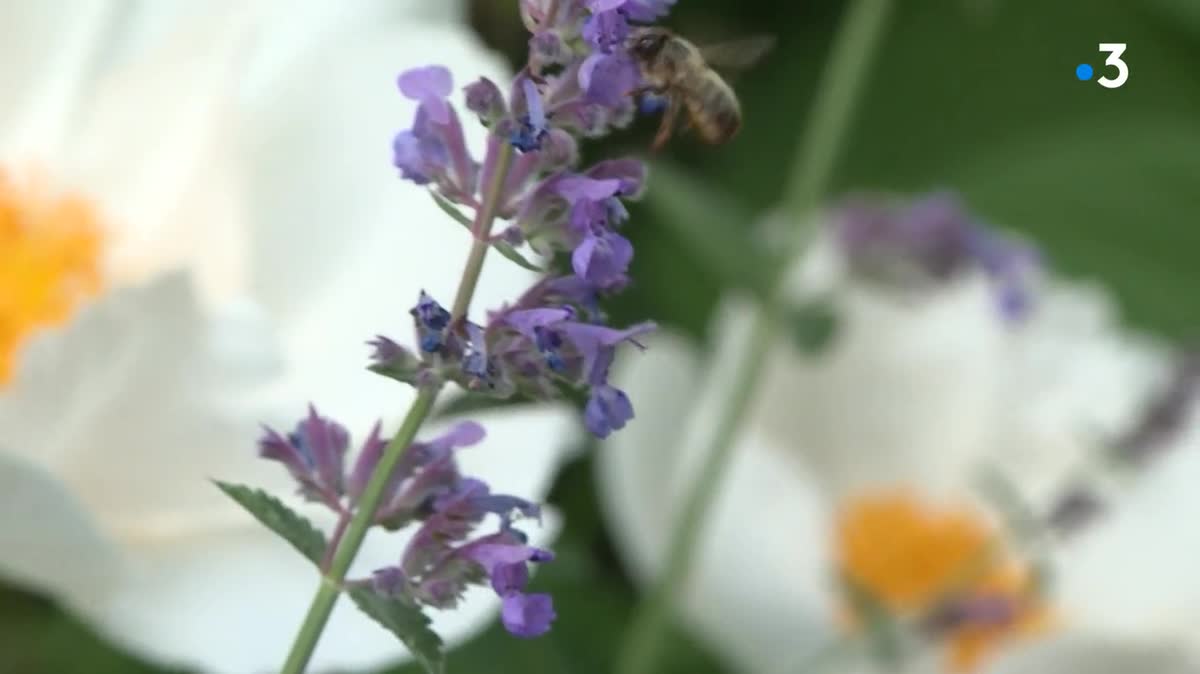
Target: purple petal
[508,578]
[325,442]
[608,79]
[419,83]
[575,188]
[608,409]
[630,172]
[527,615]
[603,260]
[364,466]
[605,5]
[526,320]
[606,30]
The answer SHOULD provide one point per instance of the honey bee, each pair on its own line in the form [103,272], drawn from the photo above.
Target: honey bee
[681,72]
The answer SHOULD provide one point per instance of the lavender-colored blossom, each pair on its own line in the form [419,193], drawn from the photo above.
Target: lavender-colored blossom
[431,321]
[609,79]
[606,30]
[314,453]
[484,98]
[527,615]
[602,258]
[430,86]
[527,134]
[607,409]
[547,49]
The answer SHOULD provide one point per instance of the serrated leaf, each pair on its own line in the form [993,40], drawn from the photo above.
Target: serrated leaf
[408,623]
[503,247]
[291,526]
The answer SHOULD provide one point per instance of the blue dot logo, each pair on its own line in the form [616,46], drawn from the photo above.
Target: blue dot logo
[1083,72]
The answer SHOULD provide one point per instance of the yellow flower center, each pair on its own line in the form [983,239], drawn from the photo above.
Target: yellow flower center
[50,245]
[944,567]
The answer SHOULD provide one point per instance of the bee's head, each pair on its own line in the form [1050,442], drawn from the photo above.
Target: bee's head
[645,44]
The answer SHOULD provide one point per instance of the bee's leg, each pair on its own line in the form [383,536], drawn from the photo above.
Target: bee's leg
[674,107]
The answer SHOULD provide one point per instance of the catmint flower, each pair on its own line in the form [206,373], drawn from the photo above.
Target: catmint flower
[530,129]
[609,79]
[606,30]
[548,51]
[642,11]
[484,99]
[313,453]
[434,149]
[431,321]
[440,562]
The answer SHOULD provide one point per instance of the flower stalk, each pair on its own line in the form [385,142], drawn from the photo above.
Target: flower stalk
[838,91]
[347,547]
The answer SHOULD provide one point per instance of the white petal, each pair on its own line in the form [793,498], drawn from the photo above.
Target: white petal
[758,589]
[343,245]
[176,201]
[1081,653]
[307,27]
[47,52]
[50,542]
[138,402]
[1133,573]
[906,393]
[248,591]
[1074,382]
[927,387]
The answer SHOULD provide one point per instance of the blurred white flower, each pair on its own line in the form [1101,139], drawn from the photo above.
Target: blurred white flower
[862,463]
[199,229]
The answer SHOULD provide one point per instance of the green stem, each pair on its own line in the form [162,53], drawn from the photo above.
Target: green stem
[356,532]
[837,93]
[482,229]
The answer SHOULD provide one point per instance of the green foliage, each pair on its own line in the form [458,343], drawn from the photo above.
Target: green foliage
[277,517]
[407,622]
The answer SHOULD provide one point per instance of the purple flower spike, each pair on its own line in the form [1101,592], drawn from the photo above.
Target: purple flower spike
[527,615]
[430,85]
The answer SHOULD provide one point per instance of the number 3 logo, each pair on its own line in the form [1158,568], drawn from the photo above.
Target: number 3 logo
[1114,49]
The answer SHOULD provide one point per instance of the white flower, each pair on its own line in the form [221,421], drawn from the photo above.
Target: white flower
[918,392]
[215,179]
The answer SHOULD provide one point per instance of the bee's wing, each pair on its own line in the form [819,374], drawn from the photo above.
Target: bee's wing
[739,54]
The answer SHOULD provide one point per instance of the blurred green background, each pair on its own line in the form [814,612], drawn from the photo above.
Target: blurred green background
[975,95]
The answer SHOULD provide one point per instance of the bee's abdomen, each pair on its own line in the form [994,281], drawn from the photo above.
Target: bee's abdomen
[714,109]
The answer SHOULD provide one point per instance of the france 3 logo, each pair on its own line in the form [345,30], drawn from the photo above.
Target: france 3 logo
[1084,72]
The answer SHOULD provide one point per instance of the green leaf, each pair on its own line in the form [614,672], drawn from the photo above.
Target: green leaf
[277,517]
[408,623]
[504,248]
[813,326]
[712,224]
[507,250]
[450,209]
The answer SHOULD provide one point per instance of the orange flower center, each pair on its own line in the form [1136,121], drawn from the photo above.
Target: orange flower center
[50,261]
[943,567]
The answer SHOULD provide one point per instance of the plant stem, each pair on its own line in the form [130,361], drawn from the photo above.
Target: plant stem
[837,93]
[482,229]
[356,532]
